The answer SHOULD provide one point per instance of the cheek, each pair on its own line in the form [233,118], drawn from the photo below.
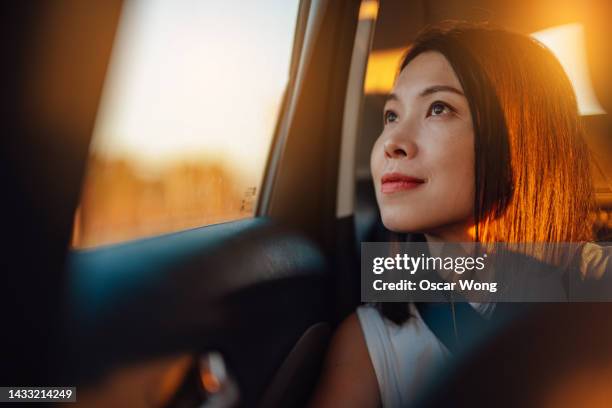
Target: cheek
[452,169]
[454,163]
[453,188]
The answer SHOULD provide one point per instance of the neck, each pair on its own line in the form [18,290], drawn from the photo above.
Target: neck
[456,233]
[452,233]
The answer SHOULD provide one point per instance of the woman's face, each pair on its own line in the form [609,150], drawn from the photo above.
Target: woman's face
[423,162]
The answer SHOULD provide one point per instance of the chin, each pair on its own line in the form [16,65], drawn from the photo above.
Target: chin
[411,220]
[401,223]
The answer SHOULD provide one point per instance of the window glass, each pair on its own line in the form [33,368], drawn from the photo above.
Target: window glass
[189,106]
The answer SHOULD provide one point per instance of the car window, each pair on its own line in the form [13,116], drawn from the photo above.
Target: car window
[184,126]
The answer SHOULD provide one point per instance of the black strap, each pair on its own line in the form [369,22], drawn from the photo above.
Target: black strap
[454,332]
[471,325]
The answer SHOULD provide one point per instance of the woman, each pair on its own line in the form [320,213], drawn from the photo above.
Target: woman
[481,141]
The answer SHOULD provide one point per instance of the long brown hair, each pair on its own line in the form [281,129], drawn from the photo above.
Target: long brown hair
[533,182]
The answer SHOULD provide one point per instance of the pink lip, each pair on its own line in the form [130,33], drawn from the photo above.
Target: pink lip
[394,182]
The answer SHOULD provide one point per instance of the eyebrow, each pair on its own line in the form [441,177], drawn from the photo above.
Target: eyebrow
[440,88]
[428,91]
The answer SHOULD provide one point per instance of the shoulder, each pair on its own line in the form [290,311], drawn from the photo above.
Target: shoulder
[348,344]
[348,329]
[348,376]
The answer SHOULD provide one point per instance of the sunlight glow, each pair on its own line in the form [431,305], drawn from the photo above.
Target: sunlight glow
[368,10]
[568,45]
[186,119]
[382,70]
[194,80]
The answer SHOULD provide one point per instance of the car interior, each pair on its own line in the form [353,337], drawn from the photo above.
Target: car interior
[241,312]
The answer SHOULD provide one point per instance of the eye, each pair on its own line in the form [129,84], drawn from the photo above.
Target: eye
[389,116]
[439,108]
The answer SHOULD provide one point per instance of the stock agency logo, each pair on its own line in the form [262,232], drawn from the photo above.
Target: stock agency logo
[413,264]
[424,272]
[486,272]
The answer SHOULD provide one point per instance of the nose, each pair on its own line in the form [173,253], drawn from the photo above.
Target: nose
[397,148]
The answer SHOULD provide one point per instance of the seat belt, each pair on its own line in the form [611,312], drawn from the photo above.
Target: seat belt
[468,326]
[456,332]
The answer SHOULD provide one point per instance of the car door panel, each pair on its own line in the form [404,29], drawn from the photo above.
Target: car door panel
[249,289]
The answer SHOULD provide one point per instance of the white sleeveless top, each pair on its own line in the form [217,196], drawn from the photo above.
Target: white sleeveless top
[403,356]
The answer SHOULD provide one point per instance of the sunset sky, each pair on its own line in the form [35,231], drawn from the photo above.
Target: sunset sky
[194,80]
